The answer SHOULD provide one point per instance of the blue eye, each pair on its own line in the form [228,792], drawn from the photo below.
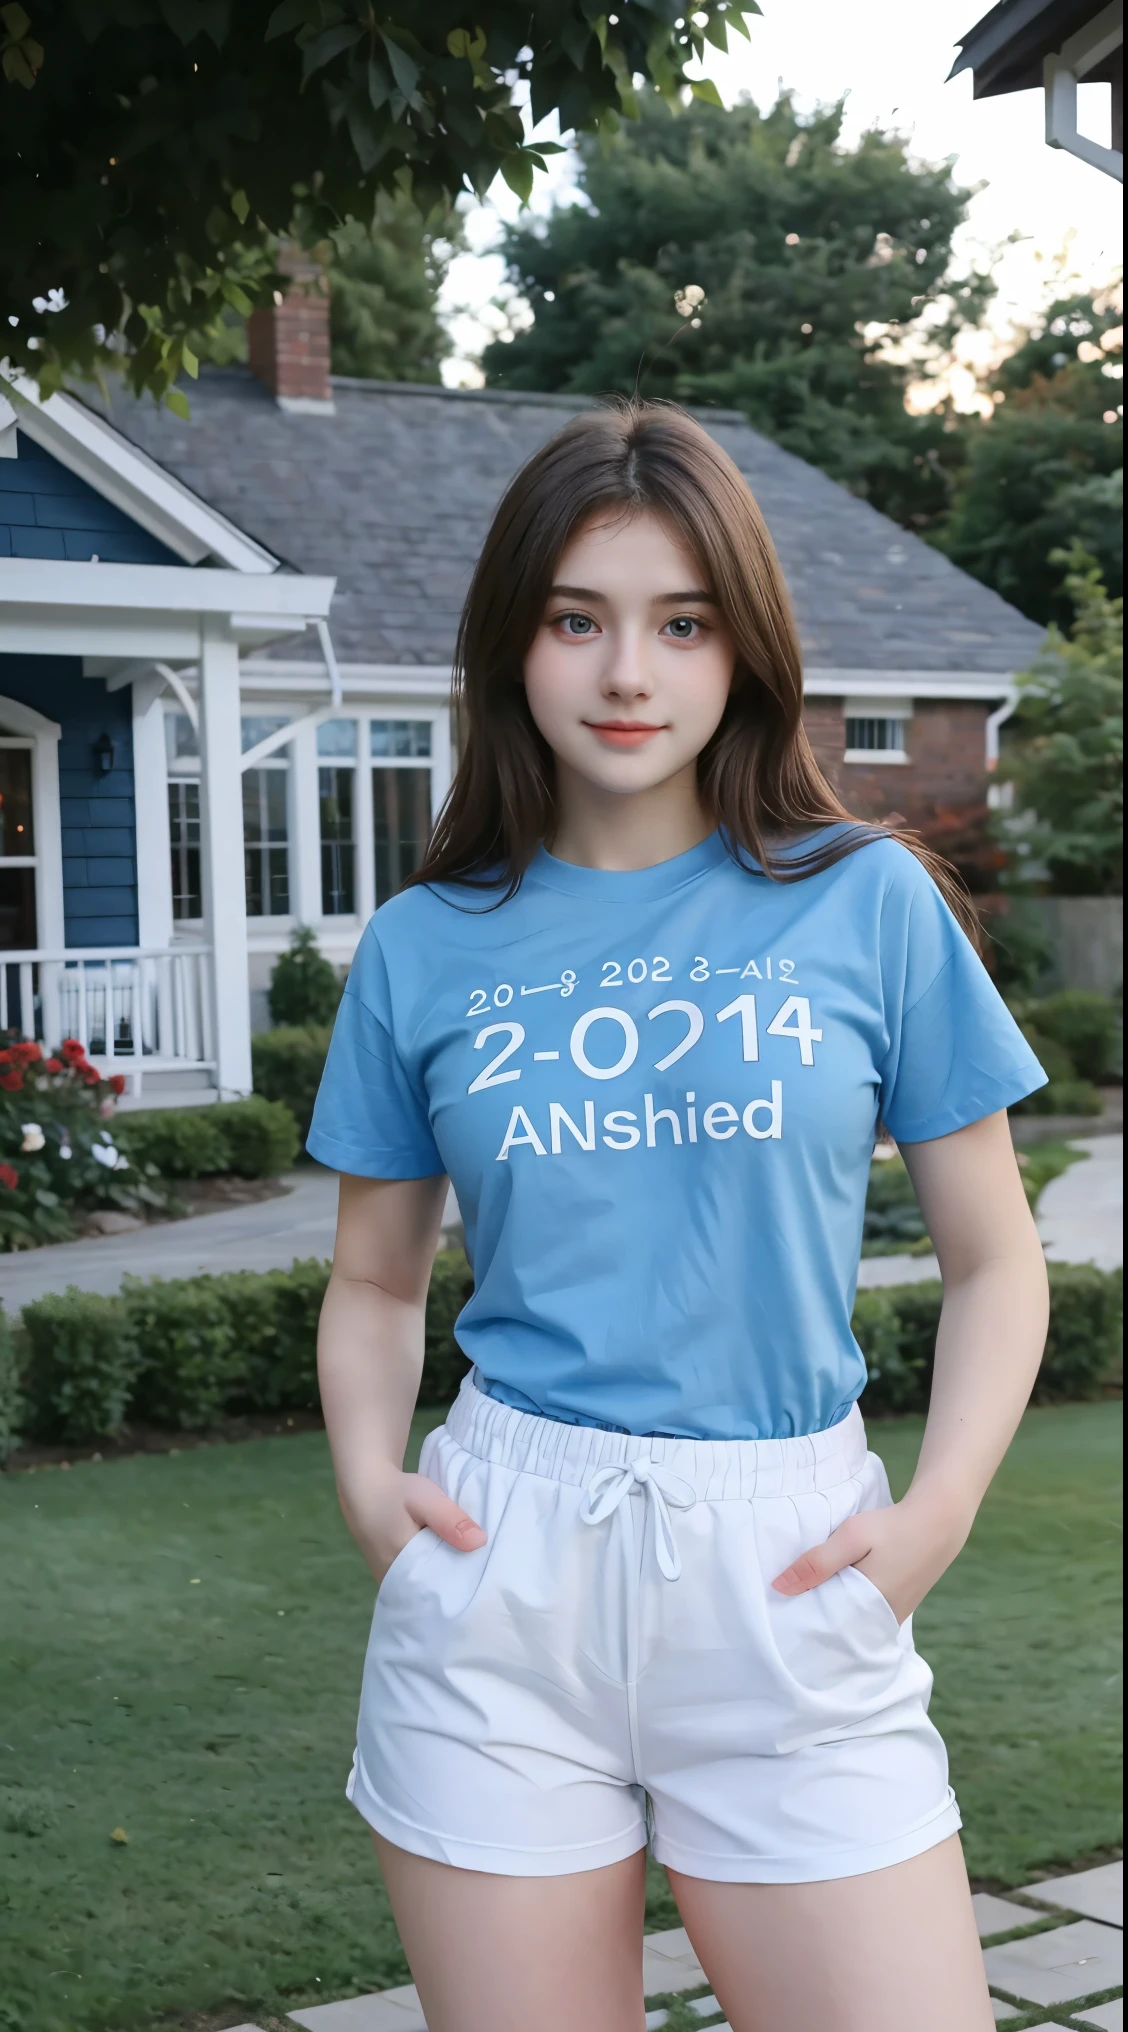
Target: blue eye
[682,627]
[576,624]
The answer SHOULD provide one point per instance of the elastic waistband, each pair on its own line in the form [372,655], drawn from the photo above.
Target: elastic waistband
[716,1469]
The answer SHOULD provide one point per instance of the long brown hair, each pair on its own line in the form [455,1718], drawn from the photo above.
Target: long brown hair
[758,777]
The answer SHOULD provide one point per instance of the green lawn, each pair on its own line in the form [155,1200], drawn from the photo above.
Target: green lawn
[182,1639]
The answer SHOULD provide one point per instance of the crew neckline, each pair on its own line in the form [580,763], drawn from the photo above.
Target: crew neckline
[628,885]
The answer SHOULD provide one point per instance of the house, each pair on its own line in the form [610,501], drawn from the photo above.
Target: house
[1053,46]
[225,657]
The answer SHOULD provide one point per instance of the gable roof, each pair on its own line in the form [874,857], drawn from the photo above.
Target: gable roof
[146,494]
[48,511]
[393,490]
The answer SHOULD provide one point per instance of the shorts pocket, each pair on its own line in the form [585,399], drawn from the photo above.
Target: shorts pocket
[870,1593]
[407,1558]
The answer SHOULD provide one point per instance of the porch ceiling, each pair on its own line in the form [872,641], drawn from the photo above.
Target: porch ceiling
[52,608]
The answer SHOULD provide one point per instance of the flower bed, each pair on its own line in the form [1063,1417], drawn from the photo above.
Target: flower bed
[58,1156]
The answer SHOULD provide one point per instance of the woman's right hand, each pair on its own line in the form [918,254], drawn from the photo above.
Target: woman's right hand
[394,1507]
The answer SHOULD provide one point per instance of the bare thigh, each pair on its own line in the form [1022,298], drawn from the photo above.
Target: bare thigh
[502,1954]
[876,1953]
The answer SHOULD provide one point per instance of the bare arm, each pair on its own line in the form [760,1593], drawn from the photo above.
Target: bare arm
[990,1340]
[370,1359]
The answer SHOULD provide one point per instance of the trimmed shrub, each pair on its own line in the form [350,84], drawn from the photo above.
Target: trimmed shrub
[1082,1346]
[261,1136]
[177,1142]
[79,1362]
[444,1364]
[255,1138]
[1052,1056]
[1085,1025]
[892,1214]
[11,1404]
[288,1065]
[1086,1323]
[1062,1097]
[304,986]
[188,1352]
[193,1371]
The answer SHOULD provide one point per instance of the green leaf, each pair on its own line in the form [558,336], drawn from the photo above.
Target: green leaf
[405,70]
[240,205]
[236,297]
[379,84]
[15,21]
[706,90]
[518,173]
[291,14]
[189,361]
[177,401]
[458,42]
[326,46]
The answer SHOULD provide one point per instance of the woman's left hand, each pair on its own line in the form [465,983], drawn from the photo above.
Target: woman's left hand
[903,1550]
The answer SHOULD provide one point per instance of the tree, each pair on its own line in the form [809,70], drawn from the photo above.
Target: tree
[153,151]
[810,255]
[1045,471]
[1066,751]
[384,284]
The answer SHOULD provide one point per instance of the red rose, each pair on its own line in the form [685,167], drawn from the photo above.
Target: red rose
[6,1057]
[26,1054]
[91,1075]
[117,1082]
[11,1081]
[53,1064]
[72,1050]
[9,1176]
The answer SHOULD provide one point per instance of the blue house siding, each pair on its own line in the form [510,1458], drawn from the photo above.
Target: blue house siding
[47,511]
[98,817]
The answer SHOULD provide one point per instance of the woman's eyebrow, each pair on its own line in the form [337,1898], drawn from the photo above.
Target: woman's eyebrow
[659,600]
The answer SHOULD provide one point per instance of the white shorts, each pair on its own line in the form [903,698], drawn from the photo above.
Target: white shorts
[613,1663]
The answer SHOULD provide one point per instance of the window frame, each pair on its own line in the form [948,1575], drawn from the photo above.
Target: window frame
[893,711]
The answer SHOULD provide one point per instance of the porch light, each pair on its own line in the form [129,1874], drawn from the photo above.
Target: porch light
[104,754]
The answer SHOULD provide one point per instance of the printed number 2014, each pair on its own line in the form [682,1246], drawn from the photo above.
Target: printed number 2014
[657,969]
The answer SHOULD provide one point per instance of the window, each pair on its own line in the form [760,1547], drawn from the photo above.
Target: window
[266,830]
[17,848]
[184,839]
[876,734]
[336,785]
[401,800]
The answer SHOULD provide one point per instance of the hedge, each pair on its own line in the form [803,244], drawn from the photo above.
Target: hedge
[186,1353]
[287,1065]
[255,1138]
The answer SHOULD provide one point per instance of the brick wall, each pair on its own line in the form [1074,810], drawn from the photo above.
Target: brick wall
[944,781]
[288,343]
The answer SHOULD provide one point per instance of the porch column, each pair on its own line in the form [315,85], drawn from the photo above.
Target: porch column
[221,857]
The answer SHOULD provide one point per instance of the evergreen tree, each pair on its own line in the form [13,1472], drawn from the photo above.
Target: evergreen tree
[384,286]
[1045,471]
[810,254]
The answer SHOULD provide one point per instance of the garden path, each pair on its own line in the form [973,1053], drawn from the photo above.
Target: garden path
[1080,1218]
[1041,1971]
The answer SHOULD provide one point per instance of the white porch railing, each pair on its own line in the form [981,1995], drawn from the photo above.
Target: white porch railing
[133,1010]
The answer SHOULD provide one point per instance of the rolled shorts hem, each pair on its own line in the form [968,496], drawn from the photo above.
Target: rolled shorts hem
[492,1858]
[813,1869]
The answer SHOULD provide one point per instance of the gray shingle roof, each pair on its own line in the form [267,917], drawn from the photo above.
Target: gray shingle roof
[394,491]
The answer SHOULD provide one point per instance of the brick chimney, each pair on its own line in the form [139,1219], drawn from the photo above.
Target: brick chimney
[288,343]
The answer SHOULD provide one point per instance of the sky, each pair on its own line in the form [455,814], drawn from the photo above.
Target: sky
[891,58]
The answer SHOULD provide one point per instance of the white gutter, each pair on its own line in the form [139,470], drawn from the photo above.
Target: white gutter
[994,722]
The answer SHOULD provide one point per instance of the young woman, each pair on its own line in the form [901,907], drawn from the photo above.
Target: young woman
[644,1005]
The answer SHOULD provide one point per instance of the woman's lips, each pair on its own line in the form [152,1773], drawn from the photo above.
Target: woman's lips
[623,733]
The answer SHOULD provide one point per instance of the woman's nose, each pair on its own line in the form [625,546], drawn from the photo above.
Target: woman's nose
[626,672]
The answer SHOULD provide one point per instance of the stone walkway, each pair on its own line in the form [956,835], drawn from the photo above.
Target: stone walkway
[267,1236]
[1080,1219]
[1057,1945]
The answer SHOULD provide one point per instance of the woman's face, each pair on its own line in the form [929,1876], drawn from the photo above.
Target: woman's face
[629,672]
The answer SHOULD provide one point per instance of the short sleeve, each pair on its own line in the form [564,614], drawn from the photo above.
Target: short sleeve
[955,1051]
[369,1118]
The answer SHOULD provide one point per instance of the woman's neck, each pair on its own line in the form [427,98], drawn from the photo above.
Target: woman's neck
[598,829]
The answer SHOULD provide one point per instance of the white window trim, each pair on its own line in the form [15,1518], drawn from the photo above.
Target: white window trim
[27,727]
[900,709]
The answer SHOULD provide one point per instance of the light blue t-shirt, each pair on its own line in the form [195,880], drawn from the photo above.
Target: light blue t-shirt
[656,1094]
